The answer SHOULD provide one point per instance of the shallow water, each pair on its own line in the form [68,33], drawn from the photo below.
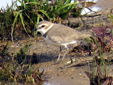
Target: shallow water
[100,5]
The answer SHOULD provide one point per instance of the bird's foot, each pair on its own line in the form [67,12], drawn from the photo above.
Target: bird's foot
[58,62]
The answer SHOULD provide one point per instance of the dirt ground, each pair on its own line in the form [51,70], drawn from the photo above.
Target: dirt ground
[56,74]
[104,4]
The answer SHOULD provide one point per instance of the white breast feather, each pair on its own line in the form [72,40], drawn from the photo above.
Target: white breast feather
[58,44]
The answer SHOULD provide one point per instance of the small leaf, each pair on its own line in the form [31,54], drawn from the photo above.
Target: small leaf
[98,30]
[99,71]
[44,12]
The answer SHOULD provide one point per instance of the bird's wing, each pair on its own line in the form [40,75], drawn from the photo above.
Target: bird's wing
[63,34]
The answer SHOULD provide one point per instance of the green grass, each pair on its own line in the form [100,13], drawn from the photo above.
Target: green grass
[30,12]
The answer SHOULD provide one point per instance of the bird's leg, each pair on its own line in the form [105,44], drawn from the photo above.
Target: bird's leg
[72,60]
[59,54]
[65,53]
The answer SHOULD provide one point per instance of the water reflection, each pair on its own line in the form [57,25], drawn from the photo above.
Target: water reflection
[87,10]
[90,6]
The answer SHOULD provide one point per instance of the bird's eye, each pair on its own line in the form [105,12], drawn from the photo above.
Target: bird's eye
[40,27]
[43,26]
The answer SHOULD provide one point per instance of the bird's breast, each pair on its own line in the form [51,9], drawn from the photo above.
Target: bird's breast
[58,44]
[50,41]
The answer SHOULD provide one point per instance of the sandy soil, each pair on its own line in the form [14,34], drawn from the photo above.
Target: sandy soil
[104,4]
[56,74]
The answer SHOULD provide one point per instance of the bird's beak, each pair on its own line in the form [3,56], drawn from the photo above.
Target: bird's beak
[35,30]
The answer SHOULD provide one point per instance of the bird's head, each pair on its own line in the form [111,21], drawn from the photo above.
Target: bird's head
[43,27]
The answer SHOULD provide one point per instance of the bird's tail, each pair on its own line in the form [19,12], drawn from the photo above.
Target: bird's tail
[85,35]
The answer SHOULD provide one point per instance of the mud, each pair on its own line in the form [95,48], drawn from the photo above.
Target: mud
[46,55]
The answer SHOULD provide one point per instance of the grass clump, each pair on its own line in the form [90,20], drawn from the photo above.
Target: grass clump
[13,71]
[25,17]
[101,45]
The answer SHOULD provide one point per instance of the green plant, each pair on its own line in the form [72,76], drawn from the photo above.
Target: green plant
[97,78]
[60,9]
[101,44]
[103,39]
[6,18]
[13,71]
[31,11]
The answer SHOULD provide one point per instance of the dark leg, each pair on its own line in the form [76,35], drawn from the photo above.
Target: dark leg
[65,53]
[59,54]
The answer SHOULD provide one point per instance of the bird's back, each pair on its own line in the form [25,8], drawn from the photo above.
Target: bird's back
[63,34]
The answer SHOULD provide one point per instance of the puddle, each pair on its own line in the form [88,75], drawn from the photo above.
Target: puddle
[99,5]
[96,6]
[87,11]
[90,9]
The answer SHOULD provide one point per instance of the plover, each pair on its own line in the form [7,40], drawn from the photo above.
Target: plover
[60,35]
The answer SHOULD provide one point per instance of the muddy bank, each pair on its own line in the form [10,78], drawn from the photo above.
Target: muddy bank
[93,20]
[46,55]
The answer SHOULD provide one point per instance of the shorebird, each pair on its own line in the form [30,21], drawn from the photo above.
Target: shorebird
[60,35]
